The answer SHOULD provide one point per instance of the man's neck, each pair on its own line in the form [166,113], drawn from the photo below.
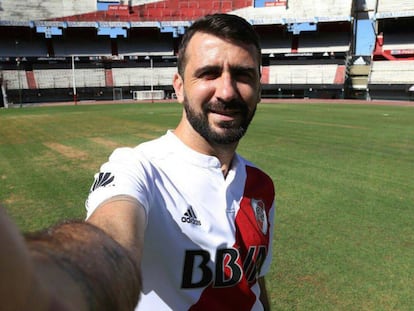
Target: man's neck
[223,152]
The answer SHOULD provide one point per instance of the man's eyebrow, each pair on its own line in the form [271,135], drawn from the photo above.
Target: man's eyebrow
[217,68]
[240,68]
[207,68]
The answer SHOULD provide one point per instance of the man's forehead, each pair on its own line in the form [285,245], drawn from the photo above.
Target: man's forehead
[209,45]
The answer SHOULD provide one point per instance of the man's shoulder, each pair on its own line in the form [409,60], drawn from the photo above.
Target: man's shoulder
[255,172]
[251,166]
[148,148]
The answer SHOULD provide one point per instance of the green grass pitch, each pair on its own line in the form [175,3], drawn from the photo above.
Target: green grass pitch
[344,232]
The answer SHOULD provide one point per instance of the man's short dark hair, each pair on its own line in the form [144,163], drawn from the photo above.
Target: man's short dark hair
[226,26]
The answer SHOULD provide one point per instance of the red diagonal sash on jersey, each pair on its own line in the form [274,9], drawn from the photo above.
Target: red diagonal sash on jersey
[252,239]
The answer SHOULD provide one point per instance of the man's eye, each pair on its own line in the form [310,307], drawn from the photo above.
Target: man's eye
[244,77]
[209,75]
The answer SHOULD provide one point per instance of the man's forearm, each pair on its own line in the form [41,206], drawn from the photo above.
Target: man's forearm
[100,271]
[72,266]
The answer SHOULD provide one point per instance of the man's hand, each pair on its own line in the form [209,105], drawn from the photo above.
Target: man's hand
[19,286]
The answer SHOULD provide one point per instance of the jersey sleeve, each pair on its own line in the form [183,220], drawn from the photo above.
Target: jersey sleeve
[125,173]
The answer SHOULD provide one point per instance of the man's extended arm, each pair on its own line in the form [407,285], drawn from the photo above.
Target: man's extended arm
[91,265]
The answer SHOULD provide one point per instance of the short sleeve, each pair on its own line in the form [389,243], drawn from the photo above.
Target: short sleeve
[127,172]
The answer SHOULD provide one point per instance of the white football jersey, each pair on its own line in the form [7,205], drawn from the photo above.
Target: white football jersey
[208,238]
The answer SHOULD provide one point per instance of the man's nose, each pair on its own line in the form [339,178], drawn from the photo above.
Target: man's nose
[226,88]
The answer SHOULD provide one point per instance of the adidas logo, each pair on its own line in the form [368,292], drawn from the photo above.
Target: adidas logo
[102,180]
[190,217]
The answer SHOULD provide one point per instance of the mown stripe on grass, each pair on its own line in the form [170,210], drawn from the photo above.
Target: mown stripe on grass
[67,151]
[329,124]
[106,142]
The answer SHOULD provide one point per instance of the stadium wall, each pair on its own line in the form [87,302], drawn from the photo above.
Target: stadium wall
[392,66]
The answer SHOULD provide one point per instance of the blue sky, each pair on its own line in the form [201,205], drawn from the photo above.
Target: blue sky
[365,39]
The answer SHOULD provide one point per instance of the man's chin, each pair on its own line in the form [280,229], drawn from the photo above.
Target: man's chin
[226,136]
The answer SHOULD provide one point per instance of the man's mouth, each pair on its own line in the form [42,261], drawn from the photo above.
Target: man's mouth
[226,112]
[226,115]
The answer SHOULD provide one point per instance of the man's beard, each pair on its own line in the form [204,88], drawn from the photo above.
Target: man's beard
[230,133]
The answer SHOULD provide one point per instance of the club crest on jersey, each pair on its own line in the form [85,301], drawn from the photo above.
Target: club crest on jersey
[259,210]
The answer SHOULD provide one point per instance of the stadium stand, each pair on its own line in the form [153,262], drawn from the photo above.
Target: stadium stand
[63,78]
[276,41]
[298,11]
[15,79]
[20,47]
[392,66]
[395,8]
[77,42]
[102,49]
[394,72]
[41,10]
[143,76]
[21,42]
[148,44]
[399,41]
[305,74]
[324,42]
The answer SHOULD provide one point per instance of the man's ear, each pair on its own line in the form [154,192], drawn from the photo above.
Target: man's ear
[178,85]
[259,93]
[259,90]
